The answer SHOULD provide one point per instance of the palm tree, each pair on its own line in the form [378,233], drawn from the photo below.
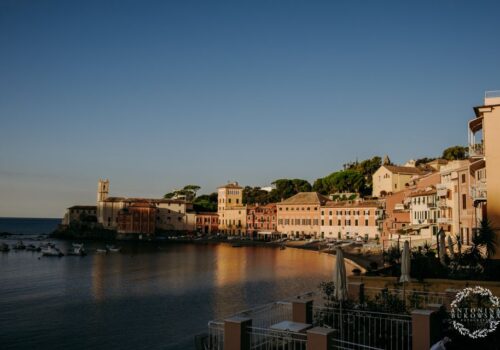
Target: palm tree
[485,238]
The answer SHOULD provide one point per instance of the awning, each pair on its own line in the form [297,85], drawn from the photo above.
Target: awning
[265,233]
[413,228]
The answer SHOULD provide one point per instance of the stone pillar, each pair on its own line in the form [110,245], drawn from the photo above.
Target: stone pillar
[319,338]
[302,311]
[450,295]
[425,329]
[356,291]
[236,336]
[435,307]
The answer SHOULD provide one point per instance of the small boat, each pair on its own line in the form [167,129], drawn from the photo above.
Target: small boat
[282,247]
[32,248]
[77,245]
[77,250]
[19,245]
[236,245]
[113,249]
[51,251]
[4,247]
[101,250]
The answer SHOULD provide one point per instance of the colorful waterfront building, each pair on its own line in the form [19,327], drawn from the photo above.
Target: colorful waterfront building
[207,222]
[79,213]
[350,219]
[299,215]
[138,220]
[399,220]
[232,213]
[171,214]
[484,151]
[261,219]
[455,201]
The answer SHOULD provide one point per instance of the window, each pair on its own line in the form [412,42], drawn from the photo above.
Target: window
[339,223]
[356,222]
[366,222]
[464,201]
[463,178]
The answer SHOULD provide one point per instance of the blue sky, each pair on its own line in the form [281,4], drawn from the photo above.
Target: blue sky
[158,94]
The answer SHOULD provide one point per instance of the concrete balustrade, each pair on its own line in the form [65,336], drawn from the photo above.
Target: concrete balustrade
[236,336]
[302,311]
[425,329]
[319,338]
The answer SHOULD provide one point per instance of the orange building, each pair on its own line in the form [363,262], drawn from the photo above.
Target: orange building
[261,219]
[350,219]
[397,216]
[207,222]
[137,219]
[299,215]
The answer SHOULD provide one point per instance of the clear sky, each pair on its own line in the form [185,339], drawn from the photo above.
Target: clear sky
[158,94]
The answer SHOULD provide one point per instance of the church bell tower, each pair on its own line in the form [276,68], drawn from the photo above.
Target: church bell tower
[102,190]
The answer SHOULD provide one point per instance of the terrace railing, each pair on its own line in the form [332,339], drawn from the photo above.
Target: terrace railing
[215,339]
[268,339]
[413,299]
[357,329]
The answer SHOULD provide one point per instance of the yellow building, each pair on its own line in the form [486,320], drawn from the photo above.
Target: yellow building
[391,178]
[484,151]
[232,212]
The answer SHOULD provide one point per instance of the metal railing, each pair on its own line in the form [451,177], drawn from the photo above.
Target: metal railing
[476,150]
[357,329]
[268,339]
[215,339]
[492,94]
[338,344]
[478,191]
[413,299]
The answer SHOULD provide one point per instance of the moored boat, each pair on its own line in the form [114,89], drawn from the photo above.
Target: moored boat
[102,251]
[4,247]
[77,250]
[113,249]
[32,248]
[51,251]
[19,245]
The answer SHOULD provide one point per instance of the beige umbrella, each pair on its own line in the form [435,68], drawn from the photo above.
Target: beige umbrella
[340,281]
[340,277]
[405,263]
[450,247]
[405,268]
[442,247]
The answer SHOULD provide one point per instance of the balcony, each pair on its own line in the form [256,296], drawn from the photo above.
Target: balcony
[492,97]
[476,150]
[431,205]
[442,203]
[443,220]
[478,191]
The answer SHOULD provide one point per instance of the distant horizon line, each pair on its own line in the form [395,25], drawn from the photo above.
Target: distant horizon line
[27,217]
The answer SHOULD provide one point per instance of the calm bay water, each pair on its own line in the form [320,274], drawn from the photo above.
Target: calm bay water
[146,297]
